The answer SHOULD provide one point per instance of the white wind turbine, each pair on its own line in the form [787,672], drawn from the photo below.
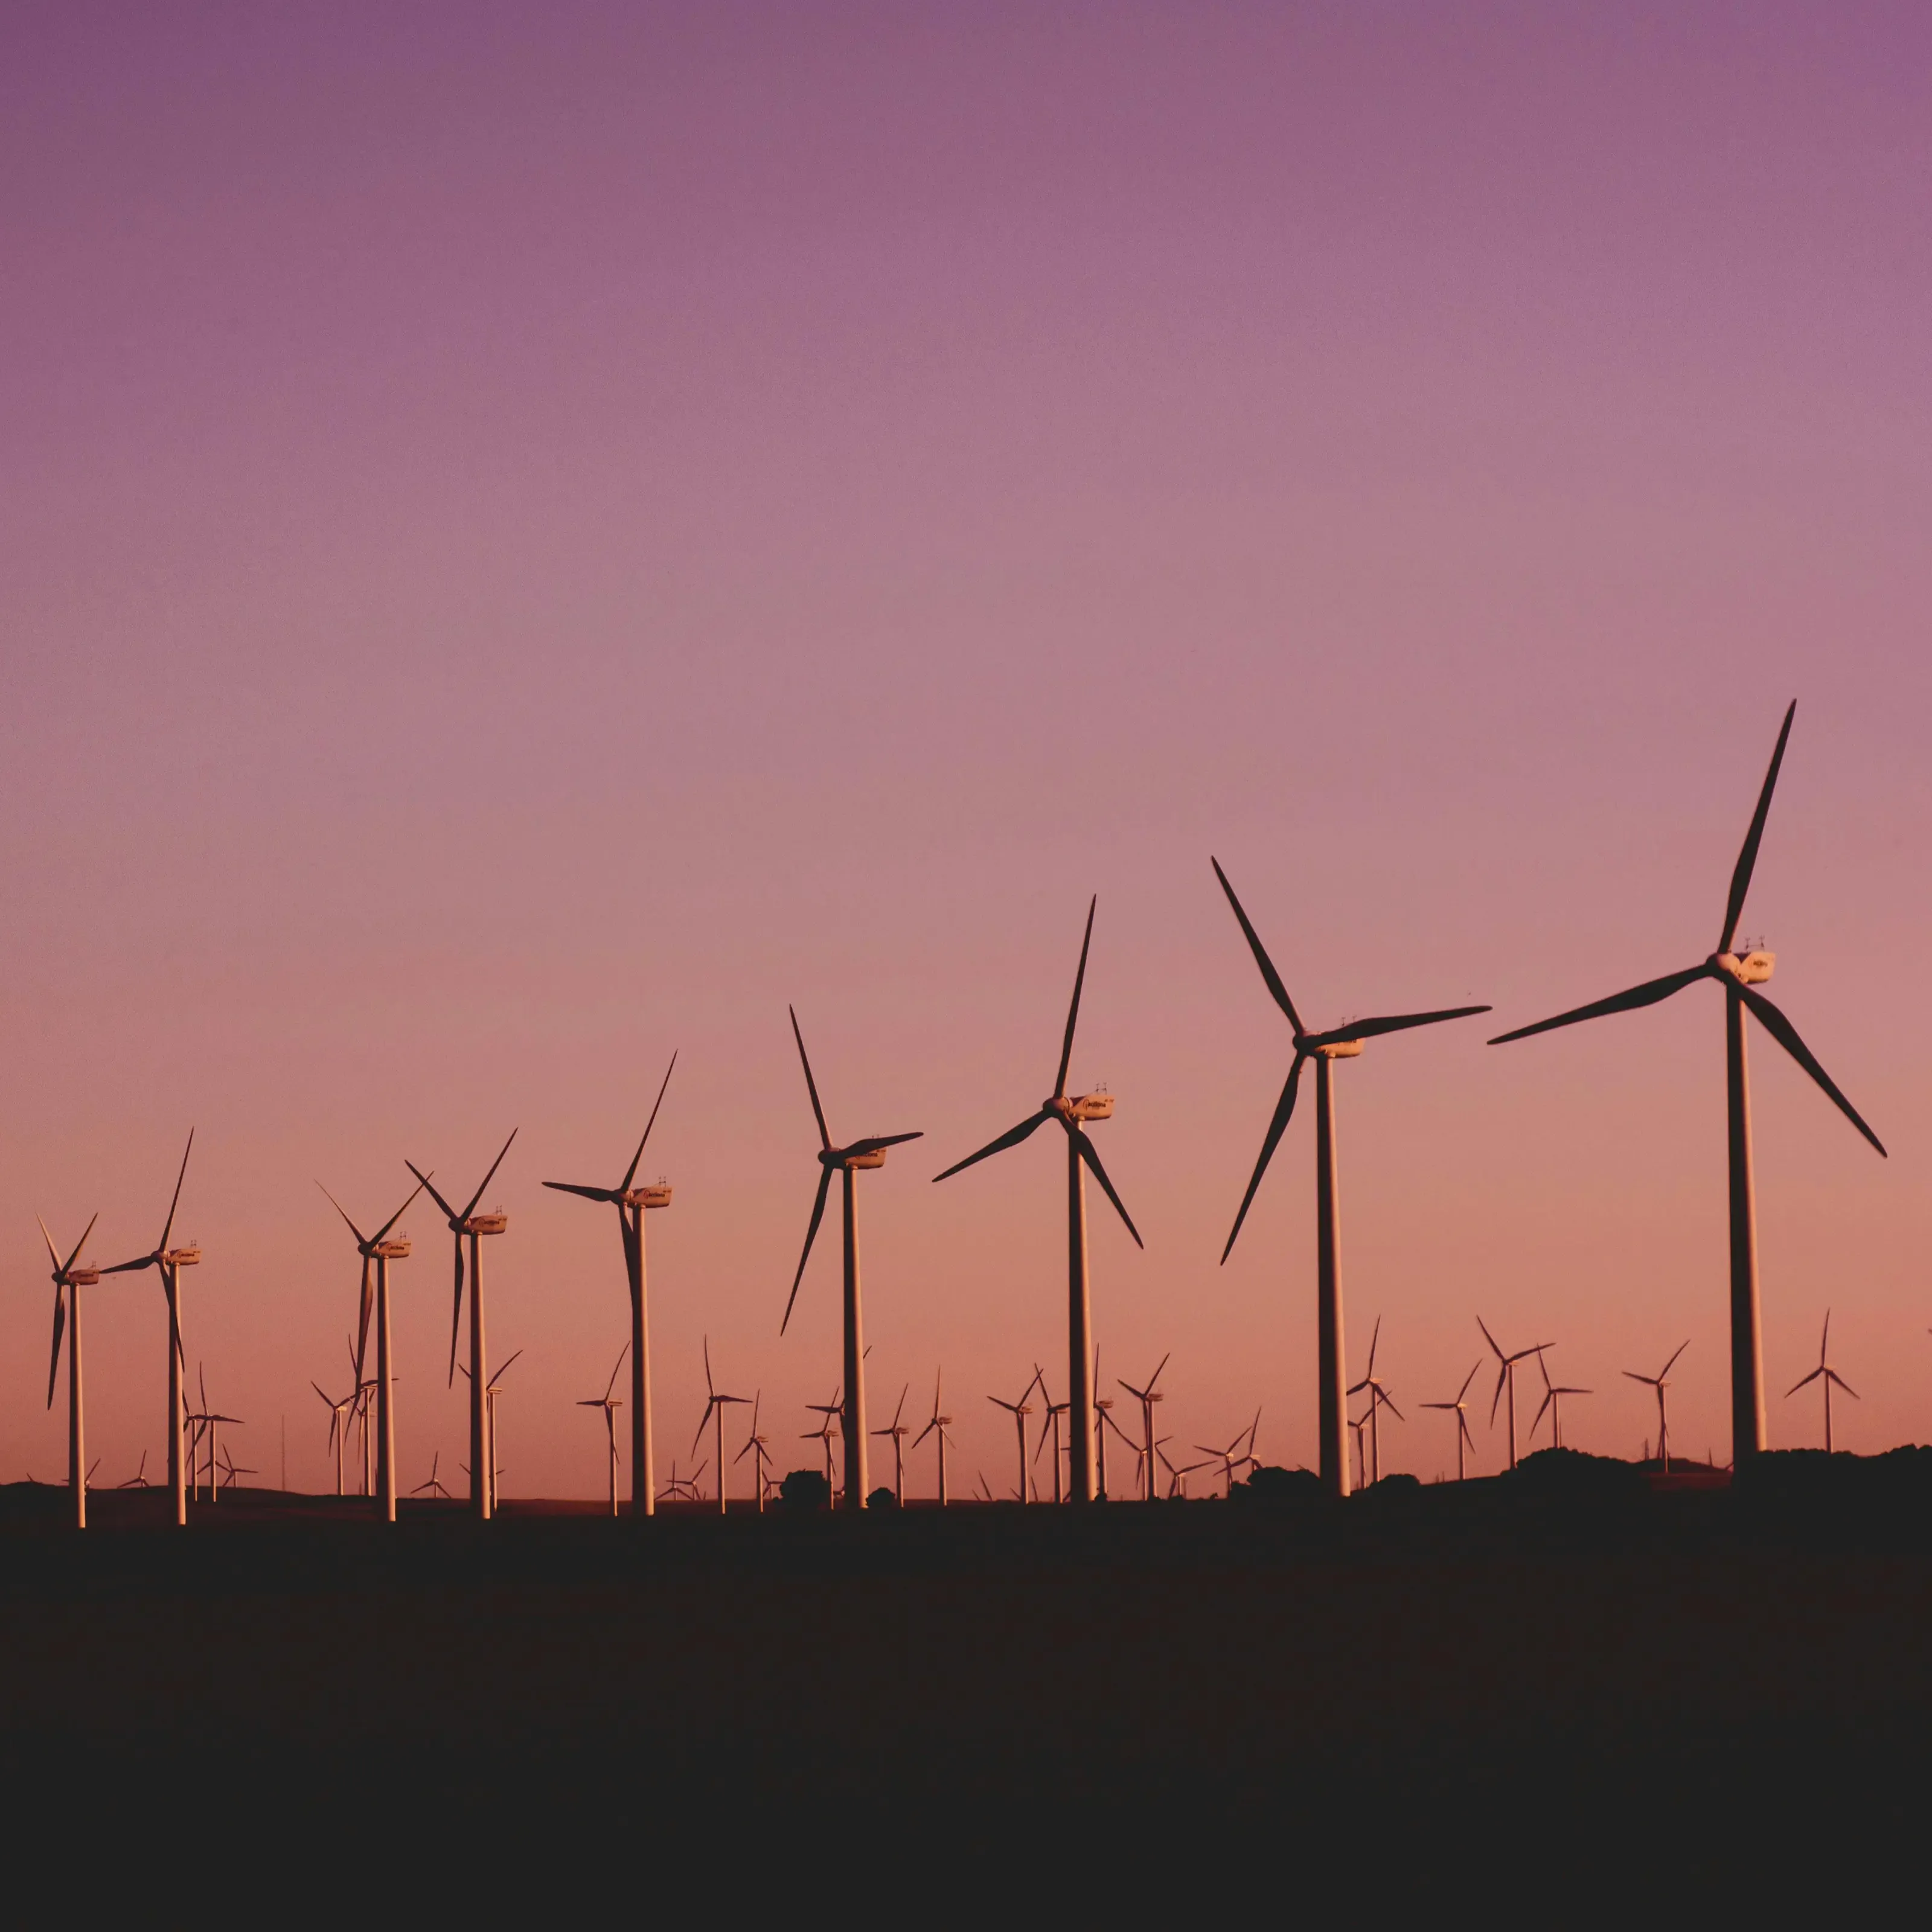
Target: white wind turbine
[1831,1378]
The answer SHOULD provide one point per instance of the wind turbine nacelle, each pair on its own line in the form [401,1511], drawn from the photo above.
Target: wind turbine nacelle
[1089,1107]
[83,1277]
[486,1224]
[1750,969]
[1339,1049]
[390,1251]
[650,1197]
[182,1257]
[877,1158]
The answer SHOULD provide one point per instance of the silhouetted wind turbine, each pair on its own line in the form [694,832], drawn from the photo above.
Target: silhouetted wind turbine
[822,1435]
[1660,1382]
[1019,1410]
[138,1480]
[1829,1376]
[1552,1400]
[631,1203]
[1740,975]
[609,1405]
[1147,1397]
[715,1406]
[169,1262]
[70,1278]
[208,1423]
[434,1485]
[898,1430]
[1506,1379]
[937,1426]
[1378,1400]
[379,1248]
[1073,1112]
[845,1162]
[756,1448]
[1463,1436]
[492,1389]
[338,1432]
[1342,1042]
[1238,1454]
[1103,1407]
[1049,1424]
[468,1223]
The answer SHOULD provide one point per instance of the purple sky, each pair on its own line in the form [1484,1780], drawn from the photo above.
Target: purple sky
[533,536]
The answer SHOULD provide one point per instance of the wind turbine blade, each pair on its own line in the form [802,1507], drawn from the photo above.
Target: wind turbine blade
[488,1177]
[456,1312]
[1466,1381]
[161,1247]
[60,1328]
[362,1332]
[1088,1154]
[53,1253]
[360,1240]
[630,1172]
[1495,1400]
[1673,1362]
[1648,1381]
[1648,994]
[873,1142]
[710,1387]
[703,1425]
[1374,1341]
[811,1235]
[1488,1338]
[1073,1009]
[1841,1382]
[615,1366]
[1155,1376]
[606,1194]
[1805,1383]
[811,1084]
[1011,1137]
[381,1233]
[1390,1023]
[1284,1110]
[1781,1030]
[449,1213]
[1741,874]
[77,1246]
[1268,973]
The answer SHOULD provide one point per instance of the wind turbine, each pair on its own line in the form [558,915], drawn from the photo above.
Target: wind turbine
[492,1389]
[1552,1401]
[1378,1400]
[338,1431]
[1740,975]
[1073,1112]
[70,1278]
[1660,1381]
[231,1473]
[169,1262]
[609,1405]
[715,1406]
[210,1429]
[1506,1379]
[138,1480]
[1463,1438]
[1049,1423]
[379,1249]
[1103,1407]
[631,1204]
[760,1455]
[845,1162]
[1147,1397]
[434,1485]
[937,1426]
[1019,1410]
[822,1435]
[898,1430]
[1342,1042]
[1831,1378]
[468,1223]
[1238,1454]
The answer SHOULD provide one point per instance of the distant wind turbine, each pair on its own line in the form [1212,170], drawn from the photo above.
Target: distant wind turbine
[382,1250]
[632,1203]
[1378,1400]
[937,1425]
[168,1262]
[1342,1042]
[1506,1379]
[1831,1378]
[1147,1397]
[1463,1438]
[70,1278]
[1740,975]
[716,1403]
[1019,1410]
[845,1162]
[466,1223]
[1660,1381]
[1073,1112]
[897,1429]
[756,1448]
[1552,1395]
[610,1404]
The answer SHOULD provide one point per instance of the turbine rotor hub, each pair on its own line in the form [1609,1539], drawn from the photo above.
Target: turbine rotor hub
[1749,969]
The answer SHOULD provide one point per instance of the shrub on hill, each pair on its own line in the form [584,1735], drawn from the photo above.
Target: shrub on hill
[1575,1476]
[882,1498]
[1396,1488]
[1269,1485]
[805,1490]
[1899,1480]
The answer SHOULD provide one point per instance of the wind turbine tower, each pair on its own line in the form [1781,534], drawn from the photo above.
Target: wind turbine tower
[70,1278]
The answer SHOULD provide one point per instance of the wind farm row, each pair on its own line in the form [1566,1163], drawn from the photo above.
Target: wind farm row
[1078,1425]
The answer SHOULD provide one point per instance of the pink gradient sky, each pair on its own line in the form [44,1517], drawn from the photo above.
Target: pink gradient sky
[535,536]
